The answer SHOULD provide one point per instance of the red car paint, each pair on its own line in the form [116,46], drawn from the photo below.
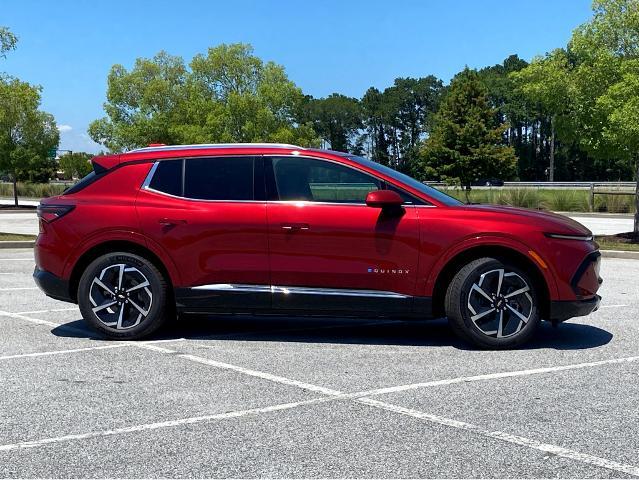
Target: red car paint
[299,243]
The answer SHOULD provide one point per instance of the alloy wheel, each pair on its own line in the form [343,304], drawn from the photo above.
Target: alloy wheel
[500,303]
[120,296]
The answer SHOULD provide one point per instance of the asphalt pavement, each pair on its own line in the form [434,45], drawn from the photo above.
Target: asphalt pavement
[250,397]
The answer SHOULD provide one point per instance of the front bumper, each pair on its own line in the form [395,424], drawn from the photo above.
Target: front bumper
[51,285]
[562,310]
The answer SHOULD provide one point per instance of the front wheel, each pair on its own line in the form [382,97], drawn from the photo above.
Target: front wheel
[123,295]
[493,304]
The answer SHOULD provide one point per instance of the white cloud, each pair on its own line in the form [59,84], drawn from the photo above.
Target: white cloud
[64,128]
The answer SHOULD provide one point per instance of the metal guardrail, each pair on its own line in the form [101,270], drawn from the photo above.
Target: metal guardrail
[550,185]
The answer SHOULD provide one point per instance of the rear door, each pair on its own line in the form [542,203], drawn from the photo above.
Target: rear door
[208,216]
[328,250]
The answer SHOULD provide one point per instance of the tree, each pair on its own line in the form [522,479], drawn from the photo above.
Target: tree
[466,142]
[8,41]
[27,134]
[336,118]
[604,84]
[75,164]
[398,119]
[621,106]
[546,83]
[227,95]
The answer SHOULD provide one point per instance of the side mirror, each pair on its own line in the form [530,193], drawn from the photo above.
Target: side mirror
[384,199]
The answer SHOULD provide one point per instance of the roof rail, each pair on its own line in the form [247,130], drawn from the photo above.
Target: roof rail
[213,145]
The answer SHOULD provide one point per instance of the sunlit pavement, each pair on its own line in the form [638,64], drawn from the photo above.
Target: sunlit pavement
[273,397]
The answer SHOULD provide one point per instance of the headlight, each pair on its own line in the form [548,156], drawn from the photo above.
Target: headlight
[561,236]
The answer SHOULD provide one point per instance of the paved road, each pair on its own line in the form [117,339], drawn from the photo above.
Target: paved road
[266,397]
[600,225]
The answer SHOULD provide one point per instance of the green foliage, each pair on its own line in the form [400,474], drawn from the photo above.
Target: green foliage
[76,164]
[30,133]
[397,119]
[33,190]
[466,143]
[8,41]
[227,95]
[336,119]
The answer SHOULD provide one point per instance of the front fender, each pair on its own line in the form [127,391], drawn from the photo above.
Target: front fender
[490,240]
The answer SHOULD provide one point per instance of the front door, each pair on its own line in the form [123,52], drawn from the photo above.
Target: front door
[329,251]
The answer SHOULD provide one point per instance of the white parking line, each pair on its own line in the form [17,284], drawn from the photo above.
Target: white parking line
[13,289]
[16,259]
[613,306]
[263,375]
[37,321]
[494,376]
[507,437]
[157,425]
[335,395]
[31,312]
[62,352]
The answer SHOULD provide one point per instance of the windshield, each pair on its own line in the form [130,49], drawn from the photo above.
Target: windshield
[401,177]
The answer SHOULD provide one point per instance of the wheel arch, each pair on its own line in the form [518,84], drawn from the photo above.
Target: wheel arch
[114,246]
[446,274]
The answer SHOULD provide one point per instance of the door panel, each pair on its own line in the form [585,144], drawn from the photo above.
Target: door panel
[343,246]
[213,243]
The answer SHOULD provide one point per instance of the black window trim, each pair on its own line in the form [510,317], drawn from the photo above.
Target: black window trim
[147,181]
[271,189]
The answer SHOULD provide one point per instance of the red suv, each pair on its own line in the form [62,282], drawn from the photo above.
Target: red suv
[263,228]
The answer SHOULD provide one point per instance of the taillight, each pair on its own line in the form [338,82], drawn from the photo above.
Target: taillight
[49,213]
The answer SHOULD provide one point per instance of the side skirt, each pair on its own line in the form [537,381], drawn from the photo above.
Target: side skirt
[250,299]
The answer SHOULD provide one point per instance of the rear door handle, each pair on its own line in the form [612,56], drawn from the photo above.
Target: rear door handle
[172,221]
[295,226]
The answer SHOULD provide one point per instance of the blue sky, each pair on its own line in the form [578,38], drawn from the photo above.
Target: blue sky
[68,47]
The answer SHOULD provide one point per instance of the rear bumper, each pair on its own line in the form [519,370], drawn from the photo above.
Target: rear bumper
[51,285]
[561,310]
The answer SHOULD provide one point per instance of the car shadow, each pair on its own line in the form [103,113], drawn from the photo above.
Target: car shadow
[432,333]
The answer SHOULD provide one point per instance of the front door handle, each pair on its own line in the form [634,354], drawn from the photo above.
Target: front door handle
[295,226]
[172,221]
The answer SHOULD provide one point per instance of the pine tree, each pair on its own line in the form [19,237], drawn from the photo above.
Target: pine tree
[466,143]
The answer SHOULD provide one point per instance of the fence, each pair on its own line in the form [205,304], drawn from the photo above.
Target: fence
[610,197]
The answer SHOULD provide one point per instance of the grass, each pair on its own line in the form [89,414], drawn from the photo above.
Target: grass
[622,241]
[33,190]
[13,237]
[558,200]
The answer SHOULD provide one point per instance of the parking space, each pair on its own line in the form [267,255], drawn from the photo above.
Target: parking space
[286,397]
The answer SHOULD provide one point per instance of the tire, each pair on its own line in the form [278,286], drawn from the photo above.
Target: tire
[507,319]
[123,296]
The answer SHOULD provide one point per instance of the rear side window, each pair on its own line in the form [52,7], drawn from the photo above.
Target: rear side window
[221,178]
[168,177]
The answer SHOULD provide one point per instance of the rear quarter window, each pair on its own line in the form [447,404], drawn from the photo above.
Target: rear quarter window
[168,177]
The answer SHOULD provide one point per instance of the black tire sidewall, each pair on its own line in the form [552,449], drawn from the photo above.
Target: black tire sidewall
[474,334]
[157,286]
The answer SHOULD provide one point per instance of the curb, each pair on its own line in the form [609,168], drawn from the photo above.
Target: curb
[17,244]
[620,254]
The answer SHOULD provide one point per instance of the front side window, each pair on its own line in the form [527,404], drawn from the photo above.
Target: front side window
[306,179]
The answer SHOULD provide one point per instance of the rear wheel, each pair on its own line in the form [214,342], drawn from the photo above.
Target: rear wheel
[123,295]
[493,303]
